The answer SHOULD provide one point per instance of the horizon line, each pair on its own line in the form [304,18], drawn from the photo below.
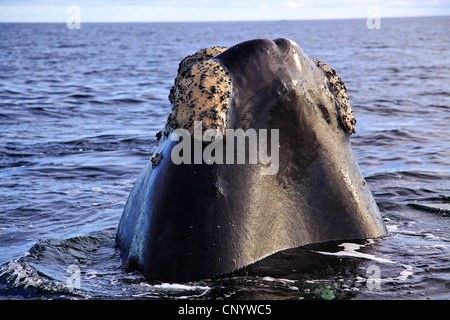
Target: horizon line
[255,20]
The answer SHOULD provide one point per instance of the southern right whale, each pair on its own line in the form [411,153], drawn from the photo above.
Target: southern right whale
[187,220]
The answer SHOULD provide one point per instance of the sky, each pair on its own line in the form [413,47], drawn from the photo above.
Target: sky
[213,10]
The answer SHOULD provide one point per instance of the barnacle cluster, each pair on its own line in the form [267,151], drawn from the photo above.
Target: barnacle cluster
[337,88]
[201,92]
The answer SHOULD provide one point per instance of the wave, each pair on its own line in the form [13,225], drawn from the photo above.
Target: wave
[71,45]
[437,209]
[128,100]
[19,279]
[84,267]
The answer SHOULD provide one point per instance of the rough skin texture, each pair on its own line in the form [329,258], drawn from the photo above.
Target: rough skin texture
[201,92]
[337,88]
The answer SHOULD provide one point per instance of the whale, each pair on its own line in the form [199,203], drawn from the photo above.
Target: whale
[201,209]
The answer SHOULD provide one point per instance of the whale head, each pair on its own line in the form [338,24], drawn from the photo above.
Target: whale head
[255,158]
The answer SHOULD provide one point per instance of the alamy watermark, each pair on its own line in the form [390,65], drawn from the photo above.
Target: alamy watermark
[74,20]
[374,19]
[374,277]
[235,140]
[74,279]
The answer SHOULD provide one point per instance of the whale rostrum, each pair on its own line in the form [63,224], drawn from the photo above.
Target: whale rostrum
[255,158]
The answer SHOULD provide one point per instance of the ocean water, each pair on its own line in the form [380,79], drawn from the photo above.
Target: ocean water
[79,110]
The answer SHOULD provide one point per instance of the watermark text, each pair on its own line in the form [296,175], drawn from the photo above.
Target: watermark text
[235,147]
[74,20]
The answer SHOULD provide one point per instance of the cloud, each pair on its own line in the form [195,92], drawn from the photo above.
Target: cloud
[326,3]
[212,10]
[409,3]
[398,3]
[292,4]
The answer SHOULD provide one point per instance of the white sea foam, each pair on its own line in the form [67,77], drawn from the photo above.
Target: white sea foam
[350,251]
[182,291]
[179,287]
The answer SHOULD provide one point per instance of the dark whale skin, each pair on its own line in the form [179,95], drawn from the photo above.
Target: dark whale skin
[192,221]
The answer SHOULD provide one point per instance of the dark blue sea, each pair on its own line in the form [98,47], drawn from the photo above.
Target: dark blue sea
[79,110]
